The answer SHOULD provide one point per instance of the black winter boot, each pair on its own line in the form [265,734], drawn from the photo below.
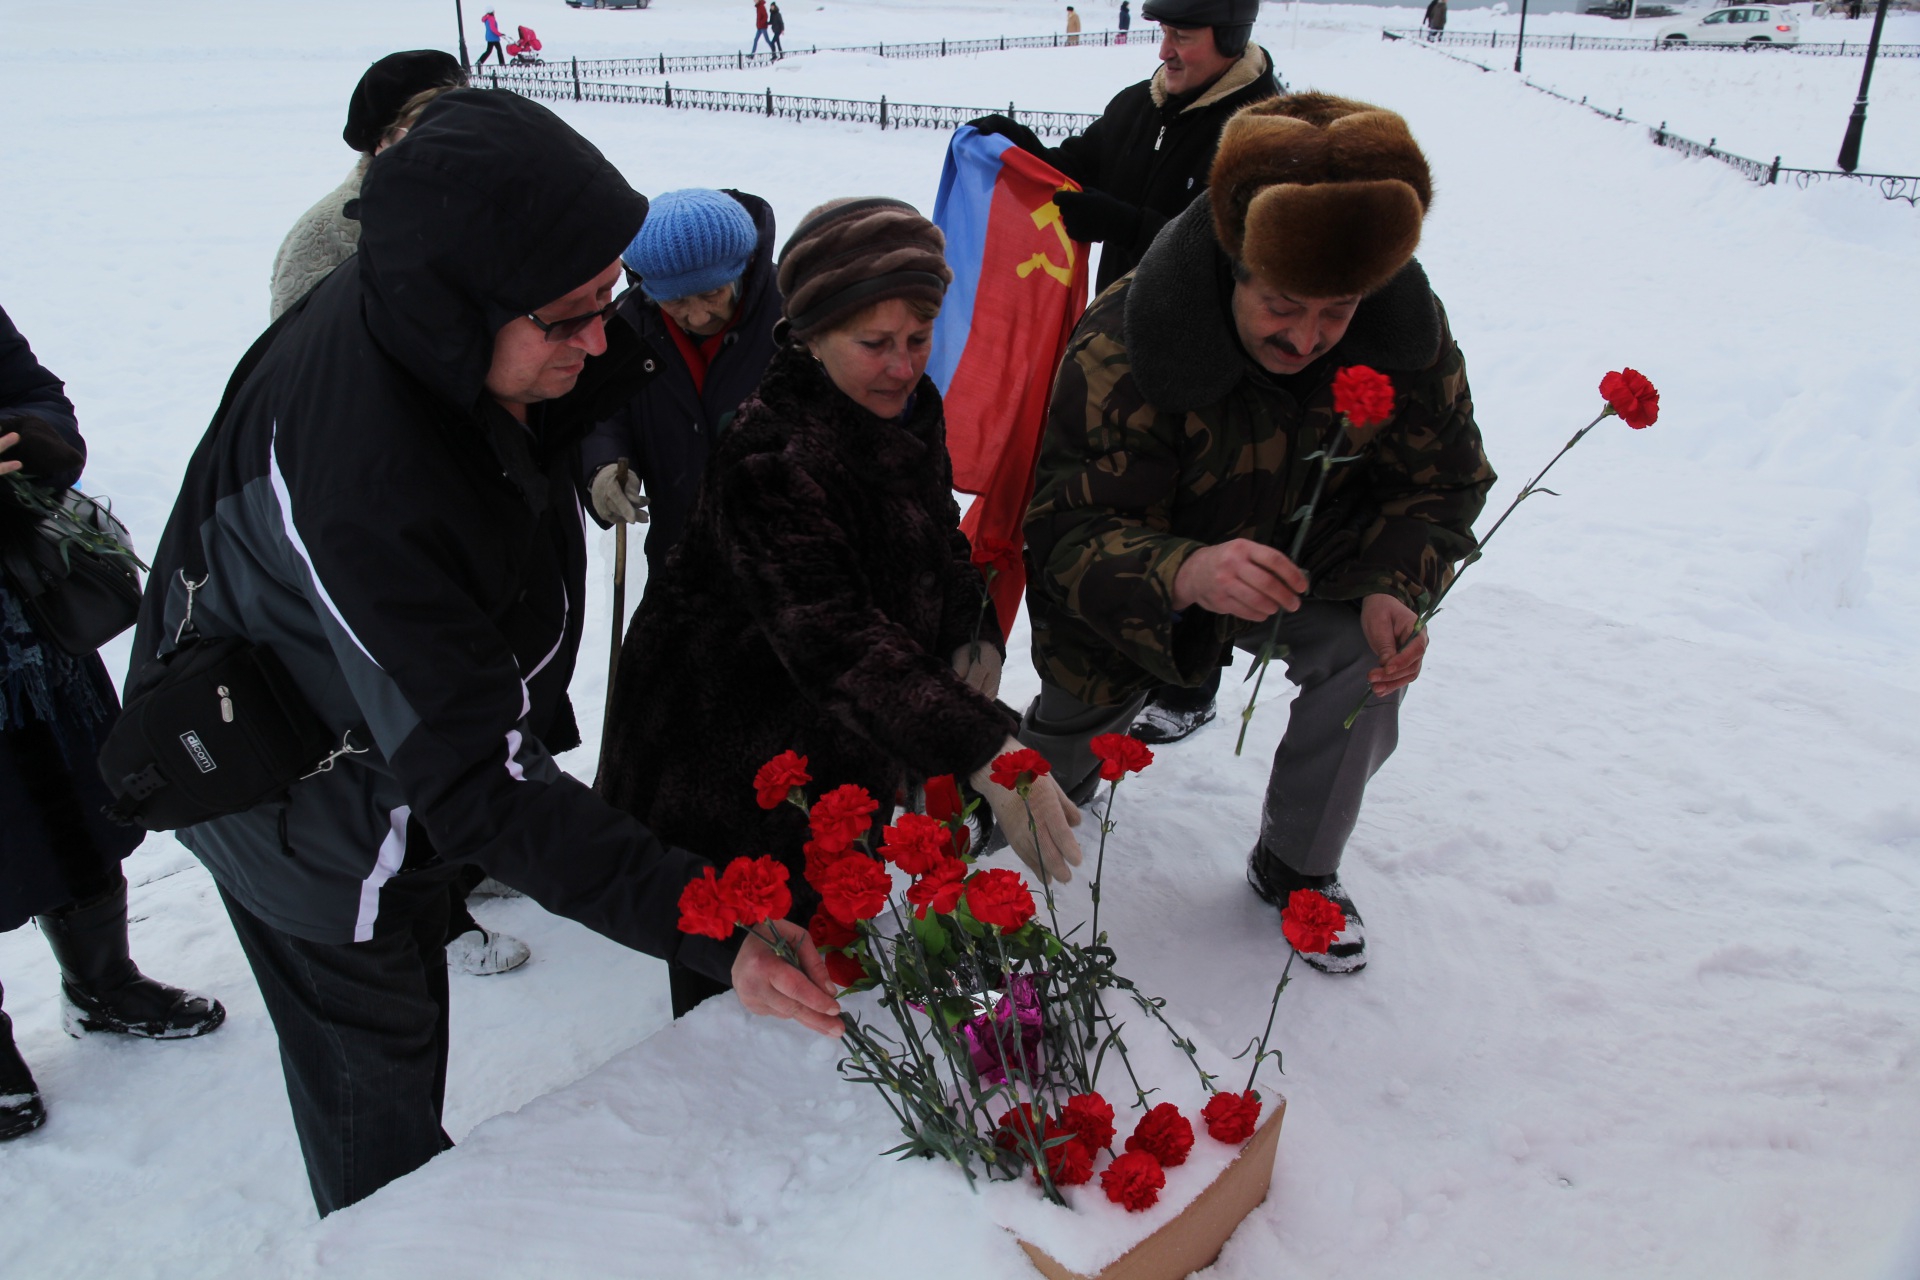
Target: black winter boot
[104,990]
[1275,882]
[20,1107]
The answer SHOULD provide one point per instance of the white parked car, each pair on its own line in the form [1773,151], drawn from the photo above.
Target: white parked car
[1735,24]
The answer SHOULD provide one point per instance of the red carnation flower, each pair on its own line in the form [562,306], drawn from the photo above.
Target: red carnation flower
[836,942]
[1164,1134]
[757,888]
[1019,1125]
[939,889]
[1120,754]
[1134,1181]
[829,934]
[943,798]
[1090,1116]
[1629,394]
[705,908]
[916,843]
[1311,920]
[1069,1163]
[999,898]
[1017,769]
[1362,395]
[842,816]
[997,555]
[778,777]
[854,889]
[819,858]
[1232,1117]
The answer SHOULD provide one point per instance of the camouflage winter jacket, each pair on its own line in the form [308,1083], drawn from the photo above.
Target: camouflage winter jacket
[1164,437]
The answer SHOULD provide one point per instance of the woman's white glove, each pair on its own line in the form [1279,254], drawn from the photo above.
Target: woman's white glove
[1055,852]
[979,665]
[617,502]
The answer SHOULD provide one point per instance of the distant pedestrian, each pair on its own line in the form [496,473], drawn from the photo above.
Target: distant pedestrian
[1126,19]
[494,38]
[1436,19]
[1073,26]
[760,31]
[776,27]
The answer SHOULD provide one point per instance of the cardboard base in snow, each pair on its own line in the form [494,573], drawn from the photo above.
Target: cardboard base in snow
[1194,1237]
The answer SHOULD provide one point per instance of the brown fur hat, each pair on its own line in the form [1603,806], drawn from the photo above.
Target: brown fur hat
[848,254]
[1318,195]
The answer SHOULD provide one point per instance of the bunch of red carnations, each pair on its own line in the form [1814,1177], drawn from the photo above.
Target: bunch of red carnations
[996,1026]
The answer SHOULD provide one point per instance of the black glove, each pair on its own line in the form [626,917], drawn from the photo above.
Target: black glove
[1094,216]
[1013,131]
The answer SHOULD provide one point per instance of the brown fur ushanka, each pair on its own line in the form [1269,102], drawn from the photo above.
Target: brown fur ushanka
[1318,195]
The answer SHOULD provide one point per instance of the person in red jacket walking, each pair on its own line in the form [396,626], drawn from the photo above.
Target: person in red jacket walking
[760,31]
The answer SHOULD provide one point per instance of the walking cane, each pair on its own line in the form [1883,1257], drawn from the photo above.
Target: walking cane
[619,605]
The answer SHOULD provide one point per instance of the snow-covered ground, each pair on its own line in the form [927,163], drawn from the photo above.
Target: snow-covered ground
[1642,878]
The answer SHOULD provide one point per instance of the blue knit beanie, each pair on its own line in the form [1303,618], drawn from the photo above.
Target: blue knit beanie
[692,241]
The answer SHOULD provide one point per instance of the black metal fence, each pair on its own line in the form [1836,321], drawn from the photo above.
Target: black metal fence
[560,85]
[665,64]
[1893,186]
[1507,40]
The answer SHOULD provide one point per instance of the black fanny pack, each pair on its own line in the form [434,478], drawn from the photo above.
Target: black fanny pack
[217,727]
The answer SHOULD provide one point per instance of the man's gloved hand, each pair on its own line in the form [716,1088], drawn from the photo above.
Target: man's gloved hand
[1092,216]
[1053,818]
[979,665]
[1018,134]
[617,502]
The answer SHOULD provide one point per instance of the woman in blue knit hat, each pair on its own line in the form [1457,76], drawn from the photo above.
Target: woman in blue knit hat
[706,304]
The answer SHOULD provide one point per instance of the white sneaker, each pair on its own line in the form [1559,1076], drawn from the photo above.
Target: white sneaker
[480,953]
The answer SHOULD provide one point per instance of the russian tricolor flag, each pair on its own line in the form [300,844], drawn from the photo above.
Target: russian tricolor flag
[1019,286]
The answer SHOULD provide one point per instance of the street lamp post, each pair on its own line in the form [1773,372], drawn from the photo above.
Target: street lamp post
[1520,45]
[1857,122]
[460,19]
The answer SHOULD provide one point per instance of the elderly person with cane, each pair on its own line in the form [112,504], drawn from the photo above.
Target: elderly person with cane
[822,599]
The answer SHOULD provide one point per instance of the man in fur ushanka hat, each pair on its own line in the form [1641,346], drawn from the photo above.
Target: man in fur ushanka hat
[1183,436]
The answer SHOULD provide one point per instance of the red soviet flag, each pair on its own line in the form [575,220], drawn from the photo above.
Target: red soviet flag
[1019,286]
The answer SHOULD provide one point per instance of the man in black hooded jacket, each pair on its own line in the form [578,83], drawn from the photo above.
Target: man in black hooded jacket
[385,500]
[1148,154]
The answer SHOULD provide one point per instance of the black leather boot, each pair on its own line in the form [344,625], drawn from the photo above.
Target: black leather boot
[20,1108]
[104,990]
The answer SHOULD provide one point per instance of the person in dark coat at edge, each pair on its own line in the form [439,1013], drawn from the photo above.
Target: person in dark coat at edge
[823,599]
[387,501]
[1140,164]
[59,857]
[705,305]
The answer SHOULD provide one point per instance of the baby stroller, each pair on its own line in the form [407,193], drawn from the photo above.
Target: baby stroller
[526,50]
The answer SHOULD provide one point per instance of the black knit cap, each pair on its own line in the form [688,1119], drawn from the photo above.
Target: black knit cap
[386,88]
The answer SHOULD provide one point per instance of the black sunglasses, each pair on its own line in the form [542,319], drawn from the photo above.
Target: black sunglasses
[572,326]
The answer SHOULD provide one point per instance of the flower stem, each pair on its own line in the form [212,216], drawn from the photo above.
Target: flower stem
[1526,491]
[1260,1054]
[1100,858]
[1303,518]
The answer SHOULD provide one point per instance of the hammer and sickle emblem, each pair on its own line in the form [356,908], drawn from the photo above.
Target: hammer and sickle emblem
[1048,215]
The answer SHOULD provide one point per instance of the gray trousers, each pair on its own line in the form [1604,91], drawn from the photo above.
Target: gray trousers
[1321,768]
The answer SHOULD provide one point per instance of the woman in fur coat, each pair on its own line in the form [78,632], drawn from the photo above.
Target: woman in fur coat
[823,599]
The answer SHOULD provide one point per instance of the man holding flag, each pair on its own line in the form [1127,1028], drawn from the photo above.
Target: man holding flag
[1192,406]
[1137,167]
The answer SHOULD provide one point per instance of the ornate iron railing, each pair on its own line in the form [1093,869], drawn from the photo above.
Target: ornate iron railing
[885,114]
[1507,39]
[666,64]
[1893,186]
